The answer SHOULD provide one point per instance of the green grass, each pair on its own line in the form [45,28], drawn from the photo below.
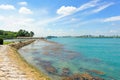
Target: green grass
[5,43]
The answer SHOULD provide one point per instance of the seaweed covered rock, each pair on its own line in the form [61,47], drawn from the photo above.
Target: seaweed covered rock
[73,77]
[97,72]
[50,69]
[65,72]
[84,76]
[47,65]
[97,78]
[1,41]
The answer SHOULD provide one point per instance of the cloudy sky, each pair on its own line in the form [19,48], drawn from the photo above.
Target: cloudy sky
[61,17]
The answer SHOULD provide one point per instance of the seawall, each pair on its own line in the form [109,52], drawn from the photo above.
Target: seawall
[18,45]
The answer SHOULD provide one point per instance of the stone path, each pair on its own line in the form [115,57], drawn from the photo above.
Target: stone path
[8,69]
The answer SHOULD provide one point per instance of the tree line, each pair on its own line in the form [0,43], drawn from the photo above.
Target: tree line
[11,34]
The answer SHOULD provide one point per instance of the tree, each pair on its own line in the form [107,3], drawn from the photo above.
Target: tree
[1,32]
[20,33]
[31,34]
[1,41]
[24,33]
[7,34]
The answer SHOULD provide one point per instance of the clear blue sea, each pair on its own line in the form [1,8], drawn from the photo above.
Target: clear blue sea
[79,55]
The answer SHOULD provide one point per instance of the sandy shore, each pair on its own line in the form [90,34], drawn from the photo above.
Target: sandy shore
[14,67]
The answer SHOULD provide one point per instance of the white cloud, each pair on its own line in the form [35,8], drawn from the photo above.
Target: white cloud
[15,20]
[1,18]
[110,19]
[73,19]
[7,7]
[24,10]
[112,31]
[102,7]
[23,3]
[90,4]
[15,23]
[66,10]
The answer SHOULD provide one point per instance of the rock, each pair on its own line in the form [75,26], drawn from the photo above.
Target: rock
[91,71]
[96,72]
[76,77]
[42,62]
[97,78]
[65,72]
[73,77]
[50,69]
[83,69]
[47,65]
[79,77]
[18,45]
[86,76]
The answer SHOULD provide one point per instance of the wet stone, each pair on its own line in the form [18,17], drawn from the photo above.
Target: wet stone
[65,72]
[43,63]
[95,72]
[50,69]
[73,77]
[97,78]
[92,72]
[84,76]
[46,63]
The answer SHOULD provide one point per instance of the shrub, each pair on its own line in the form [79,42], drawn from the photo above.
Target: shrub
[1,41]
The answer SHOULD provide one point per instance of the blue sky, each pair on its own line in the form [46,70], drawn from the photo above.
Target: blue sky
[61,17]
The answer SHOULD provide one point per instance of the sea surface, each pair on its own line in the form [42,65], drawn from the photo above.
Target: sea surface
[96,56]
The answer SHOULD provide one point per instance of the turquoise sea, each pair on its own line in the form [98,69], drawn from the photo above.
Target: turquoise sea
[97,56]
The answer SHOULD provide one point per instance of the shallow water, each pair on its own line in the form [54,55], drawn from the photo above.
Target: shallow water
[76,55]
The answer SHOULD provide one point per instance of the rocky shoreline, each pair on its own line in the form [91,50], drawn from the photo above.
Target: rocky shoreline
[14,67]
[65,73]
[18,45]
[19,69]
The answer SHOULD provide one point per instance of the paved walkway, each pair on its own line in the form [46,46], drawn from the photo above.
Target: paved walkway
[8,69]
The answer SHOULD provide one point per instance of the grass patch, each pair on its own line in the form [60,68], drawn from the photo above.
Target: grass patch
[6,42]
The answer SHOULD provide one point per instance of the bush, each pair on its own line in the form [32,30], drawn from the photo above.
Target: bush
[1,41]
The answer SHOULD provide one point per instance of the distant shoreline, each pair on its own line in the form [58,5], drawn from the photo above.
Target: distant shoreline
[85,36]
